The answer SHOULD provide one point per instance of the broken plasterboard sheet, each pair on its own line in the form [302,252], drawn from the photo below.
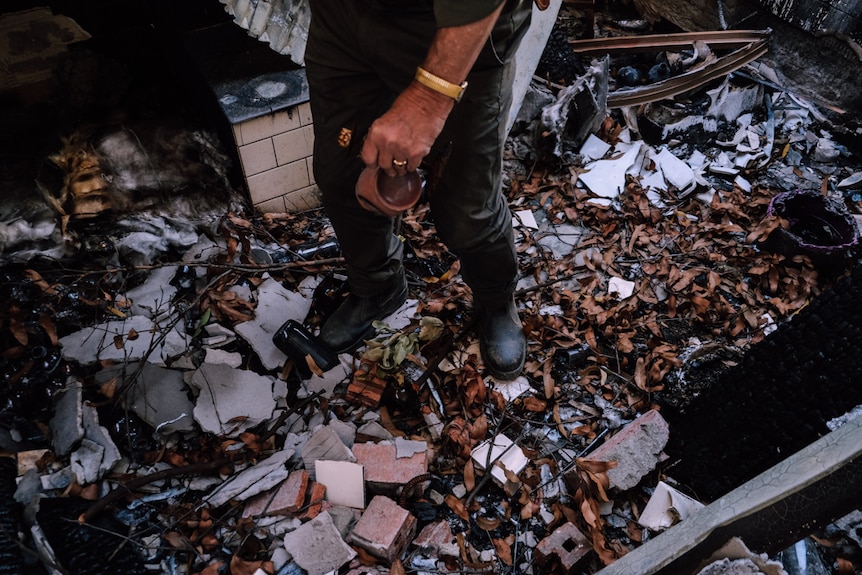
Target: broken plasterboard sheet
[159,396]
[275,305]
[100,436]
[666,507]
[154,296]
[252,480]
[594,148]
[344,481]
[67,425]
[134,335]
[607,178]
[231,400]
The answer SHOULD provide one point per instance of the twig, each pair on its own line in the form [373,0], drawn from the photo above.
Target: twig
[194,469]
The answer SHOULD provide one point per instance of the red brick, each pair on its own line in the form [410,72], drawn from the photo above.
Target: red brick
[384,529]
[287,498]
[383,467]
[566,545]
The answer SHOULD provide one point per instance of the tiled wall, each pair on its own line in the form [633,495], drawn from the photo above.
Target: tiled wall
[275,151]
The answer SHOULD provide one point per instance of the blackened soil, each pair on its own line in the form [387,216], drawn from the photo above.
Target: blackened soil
[777,400]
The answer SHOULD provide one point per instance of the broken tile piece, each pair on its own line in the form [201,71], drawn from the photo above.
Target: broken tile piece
[344,481]
[383,467]
[594,148]
[637,449]
[566,546]
[384,529]
[231,400]
[505,453]
[666,507]
[317,546]
[675,171]
[620,288]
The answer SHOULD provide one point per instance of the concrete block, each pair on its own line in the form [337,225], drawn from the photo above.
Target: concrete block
[293,145]
[278,181]
[304,111]
[317,546]
[566,546]
[258,157]
[637,449]
[269,125]
[307,198]
[310,162]
[272,206]
[384,529]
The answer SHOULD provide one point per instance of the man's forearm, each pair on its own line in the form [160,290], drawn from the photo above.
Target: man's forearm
[455,49]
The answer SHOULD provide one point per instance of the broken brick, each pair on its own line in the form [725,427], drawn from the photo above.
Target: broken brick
[566,546]
[437,539]
[288,497]
[313,504]
[365,387]
[384,529]
[384,468]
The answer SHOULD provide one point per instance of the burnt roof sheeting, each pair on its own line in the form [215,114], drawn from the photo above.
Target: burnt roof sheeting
[283,24]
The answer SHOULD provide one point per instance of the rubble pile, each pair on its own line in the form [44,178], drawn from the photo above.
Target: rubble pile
[162,423]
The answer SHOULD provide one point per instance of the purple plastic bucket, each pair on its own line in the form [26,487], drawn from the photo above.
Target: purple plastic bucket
[819,225]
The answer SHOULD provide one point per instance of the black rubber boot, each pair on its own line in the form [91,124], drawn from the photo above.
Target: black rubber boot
[502,341]
[350,324]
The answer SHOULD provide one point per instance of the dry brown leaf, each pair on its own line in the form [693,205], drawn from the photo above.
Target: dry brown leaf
[213,568]
[239,566]
[504,549]
[175,540]
[535,404]
[457,506]
[397,568]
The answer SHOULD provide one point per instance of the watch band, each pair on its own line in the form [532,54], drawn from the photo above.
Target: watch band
[438,84]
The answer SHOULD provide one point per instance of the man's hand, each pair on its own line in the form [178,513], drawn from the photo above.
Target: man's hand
[399,139]
[406,131]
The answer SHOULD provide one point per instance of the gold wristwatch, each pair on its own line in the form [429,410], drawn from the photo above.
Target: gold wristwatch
[438,84]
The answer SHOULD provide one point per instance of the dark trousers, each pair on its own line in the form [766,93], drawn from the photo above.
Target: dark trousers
[358,58]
